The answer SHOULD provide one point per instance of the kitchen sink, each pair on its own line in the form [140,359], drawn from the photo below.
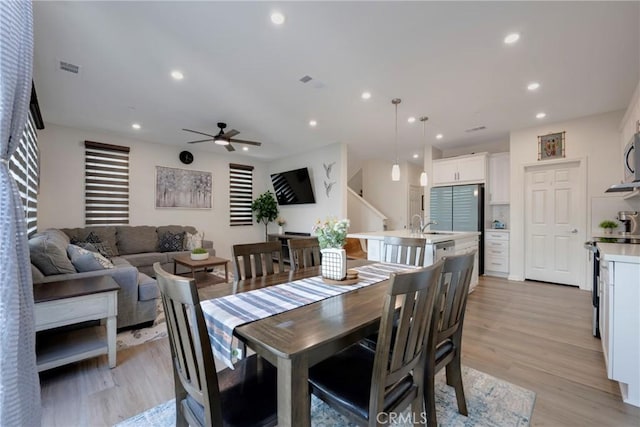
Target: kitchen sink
[438,232]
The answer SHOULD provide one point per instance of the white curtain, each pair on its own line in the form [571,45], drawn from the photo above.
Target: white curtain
[19,383]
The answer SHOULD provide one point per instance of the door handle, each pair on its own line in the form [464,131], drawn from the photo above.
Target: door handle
[574,231]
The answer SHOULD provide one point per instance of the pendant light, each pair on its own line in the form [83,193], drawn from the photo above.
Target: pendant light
[395,170]
[424,179]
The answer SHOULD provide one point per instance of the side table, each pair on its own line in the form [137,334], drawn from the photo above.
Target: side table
[69,302]
[212,261]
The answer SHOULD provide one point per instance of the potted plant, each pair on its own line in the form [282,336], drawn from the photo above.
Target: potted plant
[199,254]
[265,209]
[332,235]
[281,222]
[608,226]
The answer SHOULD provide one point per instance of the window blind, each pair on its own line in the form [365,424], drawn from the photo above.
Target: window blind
[25,169]
[240,194]
[106,184]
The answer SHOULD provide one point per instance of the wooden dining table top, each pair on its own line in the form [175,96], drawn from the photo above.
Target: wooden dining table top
[304,328]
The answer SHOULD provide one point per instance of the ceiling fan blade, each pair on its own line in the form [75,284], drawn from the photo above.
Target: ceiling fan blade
[242,141]
[200,140]
[230,134]
[201,133]
[229,147]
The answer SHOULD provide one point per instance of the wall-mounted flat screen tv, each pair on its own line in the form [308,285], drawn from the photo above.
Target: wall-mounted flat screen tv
[293,187]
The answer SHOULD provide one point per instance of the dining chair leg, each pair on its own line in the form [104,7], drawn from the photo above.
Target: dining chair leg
[430,398]
[454,378]
[417,410]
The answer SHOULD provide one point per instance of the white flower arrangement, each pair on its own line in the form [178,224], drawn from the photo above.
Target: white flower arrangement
[332,232]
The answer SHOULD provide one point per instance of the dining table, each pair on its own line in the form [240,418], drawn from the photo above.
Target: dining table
[295,340]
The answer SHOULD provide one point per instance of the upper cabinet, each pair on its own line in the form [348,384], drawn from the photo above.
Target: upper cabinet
[499,174]
[460,170]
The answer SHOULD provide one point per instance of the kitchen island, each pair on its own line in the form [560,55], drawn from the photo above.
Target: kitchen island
[620,316]
[438,244]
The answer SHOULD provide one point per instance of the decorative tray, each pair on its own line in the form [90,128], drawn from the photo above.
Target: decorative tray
[344,282]
[351,279]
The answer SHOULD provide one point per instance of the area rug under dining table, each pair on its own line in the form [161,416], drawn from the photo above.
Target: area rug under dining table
[491,402]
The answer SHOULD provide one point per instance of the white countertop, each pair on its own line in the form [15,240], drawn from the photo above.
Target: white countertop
[616,236]
[504,230]
[621,252]
[429,236]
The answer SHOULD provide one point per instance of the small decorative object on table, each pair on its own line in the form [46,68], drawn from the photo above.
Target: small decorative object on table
[199,254]
[608,226]
[281,222]
[332,235]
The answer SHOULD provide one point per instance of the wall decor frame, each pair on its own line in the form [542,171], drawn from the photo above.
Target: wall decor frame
[183,188]
[551,146]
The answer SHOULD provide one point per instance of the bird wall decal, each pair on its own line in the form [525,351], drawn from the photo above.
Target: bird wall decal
[327,169]
[328,186]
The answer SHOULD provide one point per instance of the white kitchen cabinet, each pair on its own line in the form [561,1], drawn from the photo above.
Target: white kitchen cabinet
[460,170]
[496,253]
[620,326]
[463,246]
[499,175]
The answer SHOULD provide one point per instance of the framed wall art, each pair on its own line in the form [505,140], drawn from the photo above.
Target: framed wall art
[182,188]
[551,146]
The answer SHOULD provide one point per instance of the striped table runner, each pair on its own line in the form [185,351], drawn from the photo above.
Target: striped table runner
[224,314]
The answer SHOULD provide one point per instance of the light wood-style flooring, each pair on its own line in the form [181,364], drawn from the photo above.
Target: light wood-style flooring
[531,334]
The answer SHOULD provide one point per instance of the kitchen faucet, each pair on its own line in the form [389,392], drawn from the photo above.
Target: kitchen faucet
[422,226]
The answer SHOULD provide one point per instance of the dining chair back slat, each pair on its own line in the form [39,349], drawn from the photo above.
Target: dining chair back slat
[304,253]
[404,250]
[257,259]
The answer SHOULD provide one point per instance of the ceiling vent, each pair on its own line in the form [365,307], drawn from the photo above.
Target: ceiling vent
[475,129]
[305,79]
[67,66]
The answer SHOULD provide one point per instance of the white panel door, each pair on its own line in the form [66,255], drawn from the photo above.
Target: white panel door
[555,222]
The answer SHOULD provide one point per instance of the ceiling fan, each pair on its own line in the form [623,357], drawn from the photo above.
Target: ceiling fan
[223,138]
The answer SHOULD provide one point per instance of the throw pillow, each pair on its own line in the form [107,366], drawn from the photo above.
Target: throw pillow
[84,260]
[48,256]
[171,242]
[193,240]
[102,247]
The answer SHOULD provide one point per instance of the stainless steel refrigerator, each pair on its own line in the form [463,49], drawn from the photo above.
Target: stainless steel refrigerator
[459,208]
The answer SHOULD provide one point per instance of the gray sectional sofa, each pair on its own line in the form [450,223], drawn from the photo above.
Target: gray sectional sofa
[131,249]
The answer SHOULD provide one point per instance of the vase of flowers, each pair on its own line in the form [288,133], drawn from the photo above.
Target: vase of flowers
[332,235]
[281,222]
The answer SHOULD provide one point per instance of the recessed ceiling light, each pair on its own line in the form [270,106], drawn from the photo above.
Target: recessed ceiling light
[312,123]
[541,115]
[439,136]
[277,18]
[177,75]
[512,38]
[411,119]
[245,148]
[136,126]
[533,86]
[366,95]
[415,156]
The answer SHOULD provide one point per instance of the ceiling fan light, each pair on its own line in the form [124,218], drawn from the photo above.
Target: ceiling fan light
[221,141]
[395,172]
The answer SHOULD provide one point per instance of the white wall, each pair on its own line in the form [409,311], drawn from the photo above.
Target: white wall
[300,218]
[594,138]
[389,197]
[61,197]
[489,147]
